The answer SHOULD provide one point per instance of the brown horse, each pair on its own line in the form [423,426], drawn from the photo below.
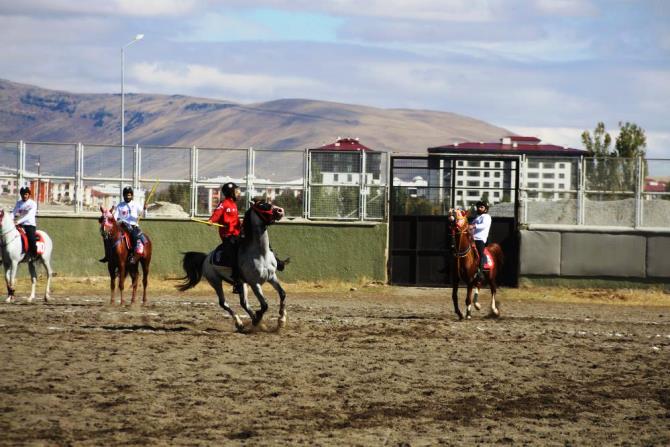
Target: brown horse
[466,262]
[119,264]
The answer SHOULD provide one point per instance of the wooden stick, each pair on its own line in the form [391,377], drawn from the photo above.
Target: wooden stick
[206,222]
[146,201]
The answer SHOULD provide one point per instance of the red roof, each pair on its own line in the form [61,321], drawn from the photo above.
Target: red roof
[343,144]
[528,146]
[651,185]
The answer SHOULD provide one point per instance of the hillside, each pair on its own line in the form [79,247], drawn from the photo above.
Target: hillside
[32,113]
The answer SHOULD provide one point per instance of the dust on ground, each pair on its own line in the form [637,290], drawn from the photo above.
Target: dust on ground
[362,364]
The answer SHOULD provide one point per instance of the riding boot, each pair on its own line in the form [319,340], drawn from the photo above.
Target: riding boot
[106,257]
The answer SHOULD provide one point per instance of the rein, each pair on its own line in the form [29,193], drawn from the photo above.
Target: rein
[266,216]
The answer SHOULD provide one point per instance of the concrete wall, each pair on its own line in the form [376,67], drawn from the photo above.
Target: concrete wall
[347,252]
[595,253]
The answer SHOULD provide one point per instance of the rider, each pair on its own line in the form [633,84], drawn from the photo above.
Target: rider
[480,226]
[25,211]
[227,216]
[127,214]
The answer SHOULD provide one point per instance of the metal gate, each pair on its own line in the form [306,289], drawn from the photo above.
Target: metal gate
[424,189]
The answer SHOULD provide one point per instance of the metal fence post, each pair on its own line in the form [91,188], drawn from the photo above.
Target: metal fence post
[21,163]
[78,181]
[137,169]
[194,180]
[306,184]
[523,181]
[638,192]
[362,189]
[581,187]
[250,168]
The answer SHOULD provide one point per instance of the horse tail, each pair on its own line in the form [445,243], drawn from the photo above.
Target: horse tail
[192,265]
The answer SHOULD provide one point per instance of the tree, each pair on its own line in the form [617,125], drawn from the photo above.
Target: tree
[599,149]
[630,145]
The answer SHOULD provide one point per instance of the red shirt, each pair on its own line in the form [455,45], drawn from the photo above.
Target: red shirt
[226,214]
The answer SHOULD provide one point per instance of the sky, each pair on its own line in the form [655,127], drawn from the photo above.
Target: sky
[546,68]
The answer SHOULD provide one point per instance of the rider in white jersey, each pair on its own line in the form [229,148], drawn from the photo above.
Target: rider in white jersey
[25,212]
[127,213]
[481,226]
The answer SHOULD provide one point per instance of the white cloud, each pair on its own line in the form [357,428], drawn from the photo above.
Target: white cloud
[140,8]
[194,79]
[569,8]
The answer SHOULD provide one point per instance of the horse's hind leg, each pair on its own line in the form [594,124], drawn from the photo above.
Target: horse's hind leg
[218,288]
[33,280]
[258,316]
[282,300]
[46,263]
[494,309]
[134,275]
[468,303]
[145,280]
[10,269]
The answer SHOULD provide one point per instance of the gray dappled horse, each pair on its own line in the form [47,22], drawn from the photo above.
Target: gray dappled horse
[257,265]
[12,255]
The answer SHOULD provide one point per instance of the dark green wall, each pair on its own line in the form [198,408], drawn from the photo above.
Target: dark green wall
[318,251]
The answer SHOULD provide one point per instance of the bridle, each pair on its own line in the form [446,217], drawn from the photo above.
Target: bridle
[458,224]
[268,212]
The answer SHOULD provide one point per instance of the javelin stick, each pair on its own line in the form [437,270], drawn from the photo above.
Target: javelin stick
[206,222]
[146,201]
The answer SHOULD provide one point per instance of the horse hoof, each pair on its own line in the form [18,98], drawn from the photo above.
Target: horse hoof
[478,306]
[281,322]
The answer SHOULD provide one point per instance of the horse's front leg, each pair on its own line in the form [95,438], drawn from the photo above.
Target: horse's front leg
[33,280]
[258,316]
[9,267]
[122,279]
[112,281]
[468,302]
[46,263]
[282,300]
[494,309]
[134,274]
[145,280]
[454,296]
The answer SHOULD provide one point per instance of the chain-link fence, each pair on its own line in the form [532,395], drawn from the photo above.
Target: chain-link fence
[183,182]
[614,192]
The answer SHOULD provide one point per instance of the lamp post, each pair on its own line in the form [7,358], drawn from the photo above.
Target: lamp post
[123,107]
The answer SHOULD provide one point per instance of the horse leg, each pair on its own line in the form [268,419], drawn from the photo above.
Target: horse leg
[468,302]
[33,280]
[454,298]
[46,263]
[244,302]
[11,288]
[494,309]
[218,288]
[8,281]
[282,300]
[112,280]
[134,274]
[258,316]
[145,280]
[122,279]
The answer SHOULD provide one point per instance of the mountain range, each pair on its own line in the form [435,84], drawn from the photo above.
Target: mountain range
[31,113]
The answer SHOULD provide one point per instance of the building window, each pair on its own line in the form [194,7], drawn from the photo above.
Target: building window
[459,172]
[459,183]
[533,175]
[561,185]
[336,177]
[496,185]
[473,183]
[487,173]
[459,193]
[473,173]
[496,174]
[547,185]
[486,184]
[496,194]
[533,164]
[486,164]
[473,163]
[548,175]
[460,163]
[473,193]
[497,164]
[561,175]
[561,165]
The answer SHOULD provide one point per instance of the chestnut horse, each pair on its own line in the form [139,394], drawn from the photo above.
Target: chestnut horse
[119,264]
[466,262]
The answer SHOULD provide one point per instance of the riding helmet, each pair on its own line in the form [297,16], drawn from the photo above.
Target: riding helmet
[482,203]
[127,190]
[24,190]
[228,190]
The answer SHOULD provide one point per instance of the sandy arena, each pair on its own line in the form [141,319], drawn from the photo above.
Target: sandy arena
[372,366]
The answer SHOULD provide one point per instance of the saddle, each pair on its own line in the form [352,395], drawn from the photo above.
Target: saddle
[39,241]
[224,255]
[488,259]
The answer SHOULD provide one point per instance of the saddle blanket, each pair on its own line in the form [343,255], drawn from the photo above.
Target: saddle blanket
[222,257]
[39,241]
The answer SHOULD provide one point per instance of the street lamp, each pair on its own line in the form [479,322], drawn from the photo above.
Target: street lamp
[123,105]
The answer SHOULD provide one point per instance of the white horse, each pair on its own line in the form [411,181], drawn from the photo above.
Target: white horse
[12,255]
[257,264]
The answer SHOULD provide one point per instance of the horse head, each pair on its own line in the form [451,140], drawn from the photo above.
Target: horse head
[268,212]
[6,220]
[107,221]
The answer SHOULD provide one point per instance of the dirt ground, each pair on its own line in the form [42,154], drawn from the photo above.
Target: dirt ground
[364,365]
